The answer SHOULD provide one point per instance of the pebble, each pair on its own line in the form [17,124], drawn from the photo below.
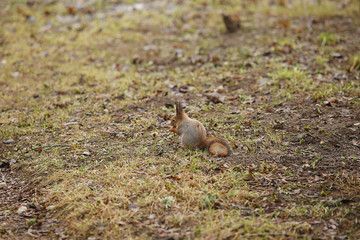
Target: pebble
[134,207]
[15,74]
[9,141]
[51,207]
[21,210]
[336,55]
[86,153]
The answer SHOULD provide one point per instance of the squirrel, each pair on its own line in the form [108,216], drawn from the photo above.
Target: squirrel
[232,22]
[193,134]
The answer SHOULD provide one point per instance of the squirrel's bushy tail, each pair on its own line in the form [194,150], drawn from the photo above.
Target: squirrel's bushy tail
[216,146]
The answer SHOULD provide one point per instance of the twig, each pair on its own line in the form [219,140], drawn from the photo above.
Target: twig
[268,234]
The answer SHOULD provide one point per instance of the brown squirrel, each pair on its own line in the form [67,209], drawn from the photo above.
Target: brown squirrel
[232,22]
[193,134]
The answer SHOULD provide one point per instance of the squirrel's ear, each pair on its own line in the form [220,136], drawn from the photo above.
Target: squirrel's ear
[179,109]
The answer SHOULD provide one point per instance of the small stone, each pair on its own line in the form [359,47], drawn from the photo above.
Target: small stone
[21,210]
[70,123]
[9,141]
[357,124]
[220,89]
[134,207]
[345,112]
[12,162]
[336,55]
[2,184]
[15,74]
[31,18]
[51,207]
[86,153]
[305,166]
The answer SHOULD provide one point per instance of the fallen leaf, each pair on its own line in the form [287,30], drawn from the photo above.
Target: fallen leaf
[332,221]
[61,105]
[297,191]
[285,24]
[247,123]
[214,99]
[194,185]
[176,177]
[231,98]
[356,142]
[70,9]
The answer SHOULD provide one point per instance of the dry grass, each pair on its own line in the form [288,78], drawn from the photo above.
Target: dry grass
[84,94]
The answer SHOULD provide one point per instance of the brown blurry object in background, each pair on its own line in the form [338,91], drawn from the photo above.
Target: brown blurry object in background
[232,22]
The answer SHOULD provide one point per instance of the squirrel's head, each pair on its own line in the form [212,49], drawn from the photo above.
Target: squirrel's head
[180,114]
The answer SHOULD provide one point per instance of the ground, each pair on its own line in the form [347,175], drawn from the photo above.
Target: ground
[88,88]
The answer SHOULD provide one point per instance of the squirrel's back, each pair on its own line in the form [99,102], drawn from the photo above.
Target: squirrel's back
[192,132]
